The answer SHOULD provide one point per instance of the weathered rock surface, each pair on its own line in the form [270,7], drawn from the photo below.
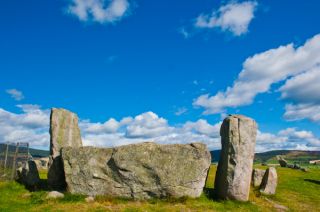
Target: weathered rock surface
[234,172]
[28,174]
[282,161]
[138,171]
[54,195]
[269,182]
[64,131]
[257,175]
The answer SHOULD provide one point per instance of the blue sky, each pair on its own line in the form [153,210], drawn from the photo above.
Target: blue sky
[163,67]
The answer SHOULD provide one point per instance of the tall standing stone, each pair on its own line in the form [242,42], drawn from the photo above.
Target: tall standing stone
[238,139]
[64,132]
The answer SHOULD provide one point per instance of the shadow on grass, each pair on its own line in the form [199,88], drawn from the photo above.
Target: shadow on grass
[211,194]
[41,186]
[313,181]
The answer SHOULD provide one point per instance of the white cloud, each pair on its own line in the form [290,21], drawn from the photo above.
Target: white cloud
[296,112]
[233,17]
[147,125]
[181,111]
[101,11]
[203,127]
[184,32]
[260,72]
[30,126]
[303,88]
[303,91]
[110,126]
[15,94]
[289,138]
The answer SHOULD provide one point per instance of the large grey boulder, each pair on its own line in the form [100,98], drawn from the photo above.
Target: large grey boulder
[269,182]
[282,161]
[28,175]
[139,171]
[257,175]
[238,139]
[64,131]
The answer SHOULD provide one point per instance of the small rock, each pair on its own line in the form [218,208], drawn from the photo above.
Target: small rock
[54,195]
[269,182]
[296,166]
[282,161]
[257,176]
[290,166]
[89,199]
[304,169]
[28,174]
[26,195]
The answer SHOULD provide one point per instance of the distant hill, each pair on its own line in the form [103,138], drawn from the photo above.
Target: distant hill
[37,153]
[265,157]
[270,156]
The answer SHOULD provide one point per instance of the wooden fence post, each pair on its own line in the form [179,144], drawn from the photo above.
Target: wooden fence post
[6,157]
[14,162]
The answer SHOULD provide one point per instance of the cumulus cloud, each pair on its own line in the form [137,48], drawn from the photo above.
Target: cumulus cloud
[302,91]
[290,138]
[101,11]
[203,127]
[233,17]
[181,111]
[261,71]
[15,94]
[32,125]
[109,126]
[147,125]
[294,112]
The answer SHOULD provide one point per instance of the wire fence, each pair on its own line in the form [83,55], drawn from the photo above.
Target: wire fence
[12,156]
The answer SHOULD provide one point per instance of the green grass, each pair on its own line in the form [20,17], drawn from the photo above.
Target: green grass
[297,190]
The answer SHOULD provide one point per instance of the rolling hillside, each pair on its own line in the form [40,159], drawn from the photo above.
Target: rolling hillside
[270,156]
[34,152]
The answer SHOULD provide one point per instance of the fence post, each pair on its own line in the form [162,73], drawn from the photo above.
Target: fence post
[6,157]
[27,157]
[14,162]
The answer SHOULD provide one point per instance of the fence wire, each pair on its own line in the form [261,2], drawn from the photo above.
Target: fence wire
[12,156]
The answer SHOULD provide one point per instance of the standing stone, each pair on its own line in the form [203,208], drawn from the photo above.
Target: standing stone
[64,132]
[282,161]
[233,176]
[138,171]
[28,175]
[269,181]
[257,175]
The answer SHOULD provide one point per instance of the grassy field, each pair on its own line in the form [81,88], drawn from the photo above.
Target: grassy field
[297,191]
